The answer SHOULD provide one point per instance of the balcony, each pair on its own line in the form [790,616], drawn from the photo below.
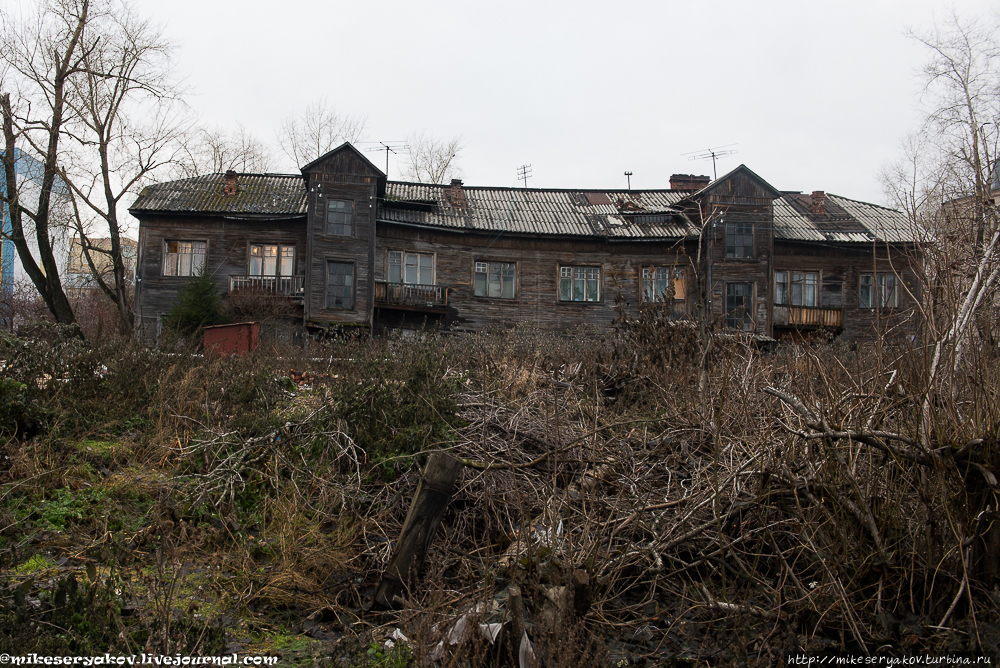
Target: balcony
[411,296]
[290,286]
[808,317]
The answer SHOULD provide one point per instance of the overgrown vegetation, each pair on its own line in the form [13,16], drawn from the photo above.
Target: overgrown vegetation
[198,305]
[705,505]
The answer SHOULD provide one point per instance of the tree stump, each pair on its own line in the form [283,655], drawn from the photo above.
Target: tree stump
[426,510]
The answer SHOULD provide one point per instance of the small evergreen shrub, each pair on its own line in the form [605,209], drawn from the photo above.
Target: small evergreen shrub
[198,305]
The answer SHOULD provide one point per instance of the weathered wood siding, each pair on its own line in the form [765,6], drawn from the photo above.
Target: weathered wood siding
[341,176]
[537,280]
[741,198]
[227,252]
[840,269]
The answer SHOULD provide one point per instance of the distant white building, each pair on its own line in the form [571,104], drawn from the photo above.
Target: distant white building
[28,172]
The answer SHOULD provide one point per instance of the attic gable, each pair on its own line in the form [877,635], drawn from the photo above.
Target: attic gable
[344,165]
[741,183]
[344,158]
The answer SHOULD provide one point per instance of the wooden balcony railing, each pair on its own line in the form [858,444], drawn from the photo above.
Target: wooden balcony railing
[814,316]
[411,295]
[291,286]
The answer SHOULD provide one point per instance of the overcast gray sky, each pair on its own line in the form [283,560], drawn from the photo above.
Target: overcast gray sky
[816,96]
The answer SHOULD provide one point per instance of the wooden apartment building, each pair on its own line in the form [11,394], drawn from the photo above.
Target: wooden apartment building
[354,249]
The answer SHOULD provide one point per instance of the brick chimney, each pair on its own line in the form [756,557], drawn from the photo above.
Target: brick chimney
[229,186]
[688,182]
[455,194]
[819,203]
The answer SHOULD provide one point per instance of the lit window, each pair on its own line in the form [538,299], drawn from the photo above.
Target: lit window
[183,258]
[579,284]
[796,288]
[340,217]
[878,291]
[656,284]
[495,279]
[271,260]
[340,285]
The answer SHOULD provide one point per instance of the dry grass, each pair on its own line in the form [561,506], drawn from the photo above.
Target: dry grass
[723,504]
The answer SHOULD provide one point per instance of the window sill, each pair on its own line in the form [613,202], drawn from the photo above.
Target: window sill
[491,300]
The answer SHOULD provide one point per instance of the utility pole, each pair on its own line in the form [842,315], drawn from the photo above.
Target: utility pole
[628,175]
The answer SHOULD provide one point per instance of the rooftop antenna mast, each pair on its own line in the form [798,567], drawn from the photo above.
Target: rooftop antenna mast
[391,147]
[713,153]
[628,175]
[523,172]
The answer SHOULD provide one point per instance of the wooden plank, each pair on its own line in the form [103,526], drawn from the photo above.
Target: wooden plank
[426,510]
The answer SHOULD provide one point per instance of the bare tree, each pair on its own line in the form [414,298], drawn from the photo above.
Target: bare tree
[39,58]
[962,93]
[212,150]
[943,183]
[432,160]
[318,130]
[96,105]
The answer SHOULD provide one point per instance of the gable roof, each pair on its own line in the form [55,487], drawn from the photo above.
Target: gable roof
[256,195]
[346,146]
[607,214]
[742,169]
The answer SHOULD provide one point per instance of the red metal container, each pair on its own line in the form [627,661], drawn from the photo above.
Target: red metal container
[238,338]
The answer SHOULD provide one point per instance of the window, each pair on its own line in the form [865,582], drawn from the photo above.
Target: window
[796,288]
[656,283]
[579,284]
[739,239]
[878,291]
[495,279]
[411,268]
[739,306]
[340,217]
[272,260]
[183,258]
[340,285]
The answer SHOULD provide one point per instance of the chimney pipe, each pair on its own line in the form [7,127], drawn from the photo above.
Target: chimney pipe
[819,203]
[688,182]
[455,194]
[229,186]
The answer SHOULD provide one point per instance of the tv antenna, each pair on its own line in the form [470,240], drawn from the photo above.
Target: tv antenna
[713,153]
[523,172]
[628,175]
[391,147]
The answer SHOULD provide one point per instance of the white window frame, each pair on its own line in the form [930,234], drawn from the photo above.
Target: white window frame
[658,282]
[494,279]
[183,262]
[582,283]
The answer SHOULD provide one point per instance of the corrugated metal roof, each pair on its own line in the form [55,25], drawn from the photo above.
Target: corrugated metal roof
[257,194]
[636,214]
[848,221]
[535,211]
